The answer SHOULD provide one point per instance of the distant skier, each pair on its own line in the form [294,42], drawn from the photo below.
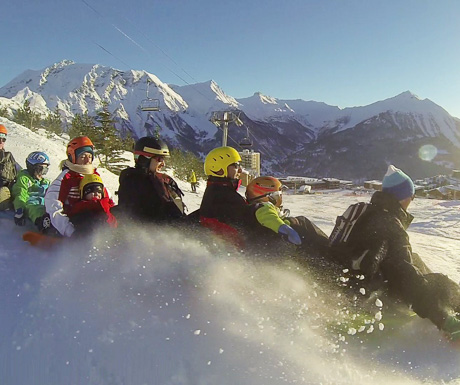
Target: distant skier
[8,171]
[64,192]
[193,181]
[145,193]
[378,247]
[29,192]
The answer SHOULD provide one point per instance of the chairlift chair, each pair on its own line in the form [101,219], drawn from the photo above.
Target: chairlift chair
[150,104]
[246,142]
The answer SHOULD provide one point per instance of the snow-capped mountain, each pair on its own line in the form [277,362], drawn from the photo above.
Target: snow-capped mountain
[288,133]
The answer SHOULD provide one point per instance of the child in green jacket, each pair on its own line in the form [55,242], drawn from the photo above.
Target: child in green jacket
[264,193]
[29,192]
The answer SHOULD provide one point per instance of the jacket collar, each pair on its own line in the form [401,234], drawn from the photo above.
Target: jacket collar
[390,204]
[224,182]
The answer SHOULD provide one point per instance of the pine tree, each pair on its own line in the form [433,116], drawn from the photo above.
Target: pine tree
[4,112]
[109,145]
[52,123]
[82,125]
[26,117]
[184,162]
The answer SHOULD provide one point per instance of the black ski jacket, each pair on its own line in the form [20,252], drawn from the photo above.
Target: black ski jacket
[379,248]
[221,201]
[148,197]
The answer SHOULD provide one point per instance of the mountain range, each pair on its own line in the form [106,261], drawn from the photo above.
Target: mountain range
[295,137]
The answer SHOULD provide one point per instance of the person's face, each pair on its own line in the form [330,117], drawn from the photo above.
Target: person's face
[93,195]
[40,170]
[234,171]
[93,192]
[2,143]
[406,202]
[85,158]
[156,164]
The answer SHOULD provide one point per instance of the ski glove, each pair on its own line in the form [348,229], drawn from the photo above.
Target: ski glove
[452,327]
[19,217]
[291,234]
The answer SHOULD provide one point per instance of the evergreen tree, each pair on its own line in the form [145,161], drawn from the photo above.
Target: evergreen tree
[184,162]
[26,117]
[109,145]
[82,125]
[4,112]
[52,123]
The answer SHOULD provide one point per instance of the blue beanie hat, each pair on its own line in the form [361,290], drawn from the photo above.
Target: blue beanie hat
[81,150]
[398,184]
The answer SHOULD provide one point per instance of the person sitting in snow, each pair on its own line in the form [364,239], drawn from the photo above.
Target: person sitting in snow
[93,210]
[145,193]
[64,192]
[29,192]
[264,194]
[378,247]
[223,210]
[8,171]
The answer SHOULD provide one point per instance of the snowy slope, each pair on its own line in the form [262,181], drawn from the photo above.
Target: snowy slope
[168,308]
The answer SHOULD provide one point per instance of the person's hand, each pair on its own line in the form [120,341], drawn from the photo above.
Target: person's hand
[290,233]
[19,218]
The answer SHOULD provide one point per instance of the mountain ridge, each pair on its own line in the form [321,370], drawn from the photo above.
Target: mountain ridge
[280,127]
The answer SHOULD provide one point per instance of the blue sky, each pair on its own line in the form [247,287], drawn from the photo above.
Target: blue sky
[341,52]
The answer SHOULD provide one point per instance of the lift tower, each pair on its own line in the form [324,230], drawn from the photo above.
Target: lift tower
[223,119]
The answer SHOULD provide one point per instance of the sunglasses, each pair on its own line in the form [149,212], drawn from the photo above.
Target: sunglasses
[93,189]
[3,140]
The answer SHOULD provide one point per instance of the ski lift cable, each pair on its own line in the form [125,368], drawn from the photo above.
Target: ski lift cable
[229,137]
[258,141]
[132,41]
[147,52]
[267,151]
[110,53]
[161,50]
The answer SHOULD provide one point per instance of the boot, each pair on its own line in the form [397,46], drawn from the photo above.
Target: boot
[43,223]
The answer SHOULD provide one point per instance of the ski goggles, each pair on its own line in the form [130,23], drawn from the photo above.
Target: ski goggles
[95,189]
[41,169]
[274,195]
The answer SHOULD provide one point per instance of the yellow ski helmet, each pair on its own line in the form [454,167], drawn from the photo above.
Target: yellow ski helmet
[219,159]
[90,181]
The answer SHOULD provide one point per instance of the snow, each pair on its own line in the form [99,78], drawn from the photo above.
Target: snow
[169,309]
